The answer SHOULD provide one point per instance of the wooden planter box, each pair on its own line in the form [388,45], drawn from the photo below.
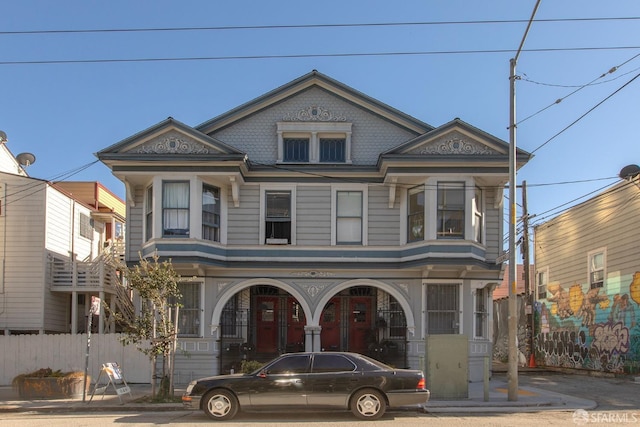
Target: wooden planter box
[52,387]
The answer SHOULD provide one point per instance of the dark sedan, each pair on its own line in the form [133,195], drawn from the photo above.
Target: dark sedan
[327,380]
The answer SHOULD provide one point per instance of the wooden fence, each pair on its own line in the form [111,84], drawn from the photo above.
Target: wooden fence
[21,354]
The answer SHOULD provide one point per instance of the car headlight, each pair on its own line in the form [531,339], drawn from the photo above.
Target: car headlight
[190,387]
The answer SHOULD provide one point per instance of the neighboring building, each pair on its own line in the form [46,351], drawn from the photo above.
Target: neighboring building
[54,248]
[588,284]
[315,217]
[502,291]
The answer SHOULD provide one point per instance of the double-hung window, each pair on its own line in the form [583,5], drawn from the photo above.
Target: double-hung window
[542,278]
[415,215]
[596,269]
[481,313]
[451,215]
[210,213]
[278,217]
[349,217]
[189,313]
[148,214]
[477,216]
[175,208]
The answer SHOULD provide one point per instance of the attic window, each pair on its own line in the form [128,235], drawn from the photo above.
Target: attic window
[314,142]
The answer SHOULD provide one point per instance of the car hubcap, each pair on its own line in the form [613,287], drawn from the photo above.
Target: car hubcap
[219,406]
[368,405]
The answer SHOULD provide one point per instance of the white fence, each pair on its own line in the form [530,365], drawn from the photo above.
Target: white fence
[21,354]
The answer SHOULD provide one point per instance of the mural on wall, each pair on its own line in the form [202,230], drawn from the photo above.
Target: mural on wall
[589,330]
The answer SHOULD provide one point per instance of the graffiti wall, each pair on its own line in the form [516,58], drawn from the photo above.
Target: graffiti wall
[589,329]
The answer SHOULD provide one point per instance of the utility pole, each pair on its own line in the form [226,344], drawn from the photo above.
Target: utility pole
[526,254]
[512,371]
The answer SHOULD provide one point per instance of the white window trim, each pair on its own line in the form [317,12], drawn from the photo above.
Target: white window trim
[195,205]
[263,208]
[314,131]
[544,270]
[431,205]
[487,297]
[590,255]
[482,214]
[200,315]
[335,188]
[222,187]
[460,303]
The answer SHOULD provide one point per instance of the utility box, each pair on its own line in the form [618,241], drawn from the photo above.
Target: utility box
[447,366]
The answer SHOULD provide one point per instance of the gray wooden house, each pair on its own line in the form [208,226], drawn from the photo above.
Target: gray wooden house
[317,218]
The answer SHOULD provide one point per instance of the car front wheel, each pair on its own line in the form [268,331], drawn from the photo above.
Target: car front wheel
[368,404]
[220,405]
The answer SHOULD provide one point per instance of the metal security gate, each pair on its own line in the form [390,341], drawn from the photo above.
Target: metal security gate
[258,324]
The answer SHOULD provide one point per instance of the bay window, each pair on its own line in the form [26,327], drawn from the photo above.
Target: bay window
[415,215]
[210,213]
[175,208]
[451,212]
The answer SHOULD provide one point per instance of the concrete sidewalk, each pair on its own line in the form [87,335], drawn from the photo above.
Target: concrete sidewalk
[529,399]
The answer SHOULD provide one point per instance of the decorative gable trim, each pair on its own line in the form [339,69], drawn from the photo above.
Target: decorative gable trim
[172,143]
[455,143]
[314,113]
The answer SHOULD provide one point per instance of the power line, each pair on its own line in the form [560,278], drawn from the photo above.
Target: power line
[304,26]
[585,114]
[316,55]
[579,88]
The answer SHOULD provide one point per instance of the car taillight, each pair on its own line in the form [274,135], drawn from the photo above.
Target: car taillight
[422,384]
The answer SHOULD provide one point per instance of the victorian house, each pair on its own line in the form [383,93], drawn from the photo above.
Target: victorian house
[317,218]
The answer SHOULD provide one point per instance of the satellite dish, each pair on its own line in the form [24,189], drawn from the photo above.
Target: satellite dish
[26,159]
[629,172]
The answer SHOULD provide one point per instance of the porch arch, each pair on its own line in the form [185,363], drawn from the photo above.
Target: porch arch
[228,293]
[315,320]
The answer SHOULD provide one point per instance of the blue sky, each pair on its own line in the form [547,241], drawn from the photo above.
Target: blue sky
[65,112]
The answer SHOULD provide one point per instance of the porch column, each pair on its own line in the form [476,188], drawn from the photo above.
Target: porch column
[312,338]
[74,312]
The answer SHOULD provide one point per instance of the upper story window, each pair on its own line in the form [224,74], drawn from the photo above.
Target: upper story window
[349,218]
[86,226]
[332,150]
[148,213]
[296,150]
[210,213]
[415,215]
[175,208]
[314,142]
[478,216]
[542,279]
[597,261]
[278,217]
[451,215]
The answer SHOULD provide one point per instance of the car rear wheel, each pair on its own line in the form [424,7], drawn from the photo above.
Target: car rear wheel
[368,404]
[220,405]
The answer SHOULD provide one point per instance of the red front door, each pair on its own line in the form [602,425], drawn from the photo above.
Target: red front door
[359,324]
[330,323]
[267,325]
[295,326]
